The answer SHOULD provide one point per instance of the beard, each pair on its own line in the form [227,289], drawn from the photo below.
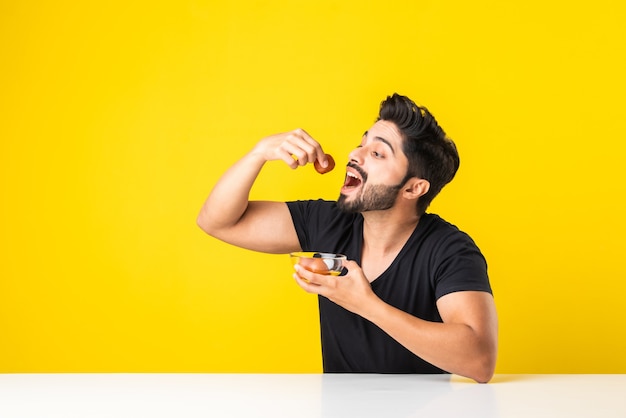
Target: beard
[375,197]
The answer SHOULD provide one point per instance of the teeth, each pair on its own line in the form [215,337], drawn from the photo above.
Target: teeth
[352,175]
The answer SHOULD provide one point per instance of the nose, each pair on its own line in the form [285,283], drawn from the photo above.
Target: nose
[356,156]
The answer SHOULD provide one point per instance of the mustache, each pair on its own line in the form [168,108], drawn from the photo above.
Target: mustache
[359,170]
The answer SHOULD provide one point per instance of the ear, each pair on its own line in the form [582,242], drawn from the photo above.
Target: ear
[414,188]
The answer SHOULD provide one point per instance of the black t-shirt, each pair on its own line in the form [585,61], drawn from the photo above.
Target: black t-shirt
[436,260]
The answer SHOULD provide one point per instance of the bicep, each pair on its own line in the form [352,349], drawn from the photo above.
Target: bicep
[475,309]
[265,227]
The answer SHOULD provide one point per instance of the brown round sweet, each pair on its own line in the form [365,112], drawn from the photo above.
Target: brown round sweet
[316,265]
[329,167]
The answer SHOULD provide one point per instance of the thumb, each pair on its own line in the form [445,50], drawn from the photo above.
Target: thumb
[350,264]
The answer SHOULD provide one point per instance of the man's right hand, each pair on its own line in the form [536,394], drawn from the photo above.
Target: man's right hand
[296,148]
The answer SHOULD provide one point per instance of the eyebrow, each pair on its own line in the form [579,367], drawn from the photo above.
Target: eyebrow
[383,140]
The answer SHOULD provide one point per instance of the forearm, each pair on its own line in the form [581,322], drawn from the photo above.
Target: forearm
[228,200]
[454,347]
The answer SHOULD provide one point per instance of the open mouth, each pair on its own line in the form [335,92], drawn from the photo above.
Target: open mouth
[355,177]
[352,181]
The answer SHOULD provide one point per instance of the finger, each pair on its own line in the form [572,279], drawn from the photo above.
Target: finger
[287,157]
[311,277]
[354,270]
[318,155]
[315,153]
[350,264]
[304,135]
[305,285]
[309,145]
[299,151]
[322,158]
[295,145]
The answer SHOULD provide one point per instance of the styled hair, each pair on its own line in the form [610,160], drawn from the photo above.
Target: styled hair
[432,155]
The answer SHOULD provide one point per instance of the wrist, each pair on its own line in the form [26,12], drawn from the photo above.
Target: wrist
[373,308]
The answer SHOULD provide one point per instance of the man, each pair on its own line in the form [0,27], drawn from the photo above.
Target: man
[415,297]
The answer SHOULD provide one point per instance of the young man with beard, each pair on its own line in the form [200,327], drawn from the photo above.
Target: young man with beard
[416,296]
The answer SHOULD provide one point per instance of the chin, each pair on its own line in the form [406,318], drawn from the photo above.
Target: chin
[346,206]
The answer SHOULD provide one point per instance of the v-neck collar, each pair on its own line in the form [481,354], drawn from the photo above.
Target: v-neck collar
[360,240]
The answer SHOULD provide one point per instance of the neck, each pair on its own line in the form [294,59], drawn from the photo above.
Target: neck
[386,232]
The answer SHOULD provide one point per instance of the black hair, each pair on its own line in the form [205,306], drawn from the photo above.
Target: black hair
[432,155]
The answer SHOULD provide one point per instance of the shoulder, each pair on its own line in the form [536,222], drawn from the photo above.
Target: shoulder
[440,232]
[311,204]
[455,259]
[446,245]
[311,210]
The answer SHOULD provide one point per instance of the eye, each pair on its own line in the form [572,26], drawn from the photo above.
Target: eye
[377,154]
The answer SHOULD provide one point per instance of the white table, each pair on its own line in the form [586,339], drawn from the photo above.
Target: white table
[309,395]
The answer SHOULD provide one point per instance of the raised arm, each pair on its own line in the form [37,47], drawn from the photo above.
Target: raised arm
[264,226]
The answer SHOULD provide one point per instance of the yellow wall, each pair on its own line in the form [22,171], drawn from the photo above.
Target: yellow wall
[117,118]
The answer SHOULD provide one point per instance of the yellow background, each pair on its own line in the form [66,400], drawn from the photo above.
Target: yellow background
[117,118]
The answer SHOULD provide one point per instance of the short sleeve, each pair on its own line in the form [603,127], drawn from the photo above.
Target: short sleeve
[299,216]
[460,266]
[321,226]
